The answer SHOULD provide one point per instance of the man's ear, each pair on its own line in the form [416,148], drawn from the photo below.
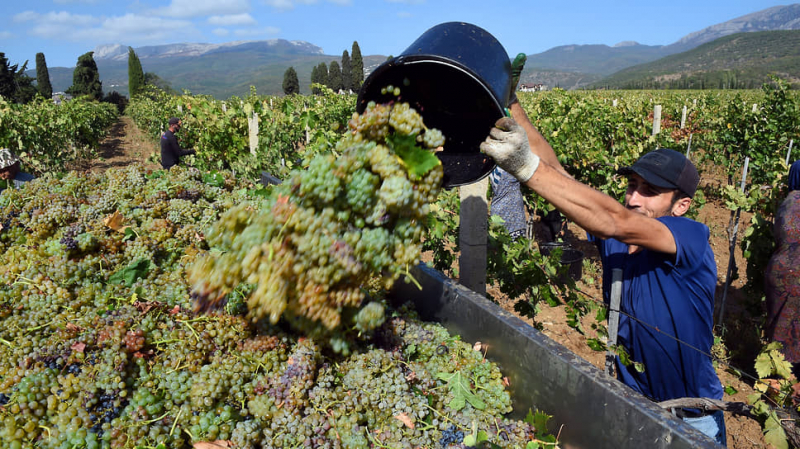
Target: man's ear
[681,207]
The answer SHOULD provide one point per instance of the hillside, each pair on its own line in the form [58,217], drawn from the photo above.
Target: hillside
[219,70]
[742,60]
[589,61]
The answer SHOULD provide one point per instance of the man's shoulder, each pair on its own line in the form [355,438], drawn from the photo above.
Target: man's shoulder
[24,177]
[684,227]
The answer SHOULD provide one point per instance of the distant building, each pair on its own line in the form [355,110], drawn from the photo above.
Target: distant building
[58,97]
[532,87]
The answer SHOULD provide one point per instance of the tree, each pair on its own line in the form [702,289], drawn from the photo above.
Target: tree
[43,77]
[291,85]
[319,75]
[7,86]
[335,77]
[86,78]
[357,67]
[151,79]
[15,85]
[347,71]
[135,74]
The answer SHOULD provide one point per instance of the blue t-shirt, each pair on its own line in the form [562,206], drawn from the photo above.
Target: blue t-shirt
[674,299]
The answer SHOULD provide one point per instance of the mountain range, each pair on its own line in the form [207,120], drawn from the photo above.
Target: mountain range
[227,69]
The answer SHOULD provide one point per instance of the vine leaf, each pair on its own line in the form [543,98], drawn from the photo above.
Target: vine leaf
[459,386]
[128,275]
[418,161]
[774,434]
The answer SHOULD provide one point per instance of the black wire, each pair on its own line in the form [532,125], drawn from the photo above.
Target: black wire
[679,341]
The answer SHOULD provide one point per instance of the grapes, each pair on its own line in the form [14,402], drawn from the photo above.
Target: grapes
[328,233]
[90,363]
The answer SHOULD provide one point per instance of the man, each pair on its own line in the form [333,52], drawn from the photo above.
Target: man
[10,170]
[669,270]
[171,152]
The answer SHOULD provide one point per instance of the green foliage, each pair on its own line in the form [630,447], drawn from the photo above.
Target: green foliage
[459,386]
[135,74]
[15,85]
[86,78]
[357,67]
[335,77]
[43,77]
[418,161]
[138,269]
[347,71]
[291,85]
[48,136]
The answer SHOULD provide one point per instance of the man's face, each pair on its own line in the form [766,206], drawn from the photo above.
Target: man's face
[647,199]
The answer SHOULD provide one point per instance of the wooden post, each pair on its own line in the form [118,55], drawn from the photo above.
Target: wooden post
[755,107]
[472,236]
[224,107]
[732,246]
[656,119]
[789,153]
[252,125]
[614,103]
[180,108]
[613,317]
[683,117]
[689,146]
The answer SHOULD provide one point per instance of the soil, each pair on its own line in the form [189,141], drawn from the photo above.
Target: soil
[126,144]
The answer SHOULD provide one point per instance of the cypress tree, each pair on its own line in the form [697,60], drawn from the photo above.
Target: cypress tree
[291,85]
[323,74]
[347,71]
[135,74]
[43,77]
[314,79]
[357,65]
[86,78]
[335,77]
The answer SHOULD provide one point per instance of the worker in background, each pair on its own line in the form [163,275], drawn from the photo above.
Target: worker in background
[171,152]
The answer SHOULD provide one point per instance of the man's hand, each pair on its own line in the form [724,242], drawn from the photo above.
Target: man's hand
[508,145]
[516,70]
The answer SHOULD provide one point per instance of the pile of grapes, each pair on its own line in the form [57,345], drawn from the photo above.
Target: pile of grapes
[352,220]
[100,346]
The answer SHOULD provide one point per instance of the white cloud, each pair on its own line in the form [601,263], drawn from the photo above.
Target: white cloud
[132,28]
[6,35]
[232,19]
[404,15]
[197,8]
[220,31]
[66,2]
[290,4]
[407,2]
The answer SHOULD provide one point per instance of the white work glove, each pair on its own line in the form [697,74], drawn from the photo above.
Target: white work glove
[508,145]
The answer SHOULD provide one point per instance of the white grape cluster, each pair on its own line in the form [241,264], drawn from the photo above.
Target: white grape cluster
[328,232]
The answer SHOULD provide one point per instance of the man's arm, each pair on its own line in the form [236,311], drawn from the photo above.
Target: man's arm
[528,155]
[537,142]
[598,213]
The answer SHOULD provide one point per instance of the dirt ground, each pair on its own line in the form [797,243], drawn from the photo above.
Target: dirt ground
[127,145]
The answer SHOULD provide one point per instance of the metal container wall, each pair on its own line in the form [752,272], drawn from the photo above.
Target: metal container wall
[591,410]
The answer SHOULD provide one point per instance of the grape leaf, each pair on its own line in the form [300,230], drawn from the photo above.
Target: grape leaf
[128,275]
[462,394]
[774,434]
[418,161]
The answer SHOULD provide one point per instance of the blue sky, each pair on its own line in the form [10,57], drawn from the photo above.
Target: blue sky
[65,29]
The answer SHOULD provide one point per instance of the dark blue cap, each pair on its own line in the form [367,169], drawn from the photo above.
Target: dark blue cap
[666,168]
